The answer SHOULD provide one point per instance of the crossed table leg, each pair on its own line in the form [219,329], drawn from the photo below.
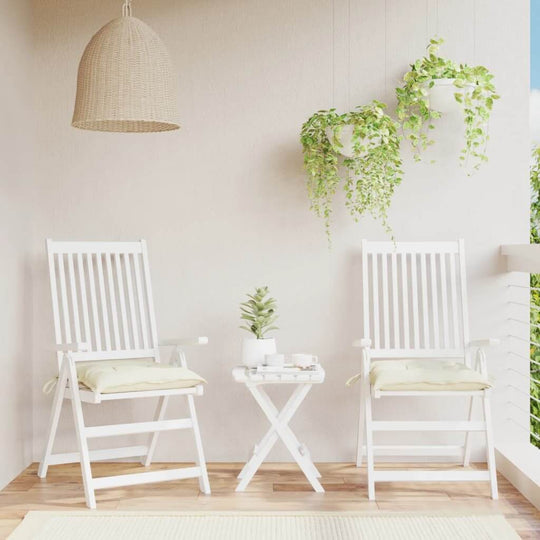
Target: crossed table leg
[280,429]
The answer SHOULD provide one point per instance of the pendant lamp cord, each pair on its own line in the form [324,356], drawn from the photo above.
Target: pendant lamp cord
[126,8]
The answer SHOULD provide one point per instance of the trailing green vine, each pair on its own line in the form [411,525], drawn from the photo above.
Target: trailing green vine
[369,176]
[475,93]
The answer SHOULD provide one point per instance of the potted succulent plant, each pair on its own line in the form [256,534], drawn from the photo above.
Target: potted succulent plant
[431,87]
[369,170]
[259,314]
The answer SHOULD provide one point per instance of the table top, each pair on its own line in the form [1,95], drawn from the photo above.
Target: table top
[313,375]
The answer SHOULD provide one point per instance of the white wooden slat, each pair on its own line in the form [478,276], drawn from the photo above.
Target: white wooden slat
[82,287]
[425,312]
[418,450]
[454,300]
[395,301]
[103,302]
[122,297]
[434,300]
[463,288]
[365,290]
[97,455]
[74,298]
[141,303]
[431,476]
[112,295]
[132,314]
[405,297]
[375,300]
[386,307]
[149,298]
[423,425]
[113,430]
[63,298]
[444,297]
[93,300]
[145,478]
[54,295]
[414,292]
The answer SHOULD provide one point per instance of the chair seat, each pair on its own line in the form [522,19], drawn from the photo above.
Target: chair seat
[428,375]
[116,376]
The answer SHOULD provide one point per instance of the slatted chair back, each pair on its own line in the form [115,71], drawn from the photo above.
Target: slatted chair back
[102,296]
[415,299]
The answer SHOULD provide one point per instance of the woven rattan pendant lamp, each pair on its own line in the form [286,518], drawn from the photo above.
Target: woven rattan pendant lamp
[125,81]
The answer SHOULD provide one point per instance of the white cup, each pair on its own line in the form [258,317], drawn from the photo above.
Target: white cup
[303,360]
[274,360]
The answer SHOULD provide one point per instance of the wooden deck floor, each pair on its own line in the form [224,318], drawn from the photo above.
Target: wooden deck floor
[276,486]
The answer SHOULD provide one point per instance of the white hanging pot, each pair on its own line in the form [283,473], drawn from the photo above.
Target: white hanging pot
[346,139]
[254,350]
[441,95]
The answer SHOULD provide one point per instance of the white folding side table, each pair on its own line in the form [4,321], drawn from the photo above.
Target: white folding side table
[279,420]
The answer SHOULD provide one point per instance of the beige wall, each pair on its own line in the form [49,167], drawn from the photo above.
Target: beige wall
[16,214]
[222,202]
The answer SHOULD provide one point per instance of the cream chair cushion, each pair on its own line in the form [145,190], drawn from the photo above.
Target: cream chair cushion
[111,376]
[425,375]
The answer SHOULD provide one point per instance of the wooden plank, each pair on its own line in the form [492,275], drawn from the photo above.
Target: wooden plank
[103,302]
[122,296]
[421,425]
[431,476]
[145,478]
[112,430]
[112,297]
[375,300]
[132,313]
[141,303]
[386,307]
[93,298]
[405,297]
[425,311]
[84,300]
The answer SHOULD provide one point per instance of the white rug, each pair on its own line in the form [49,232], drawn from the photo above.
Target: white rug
[96,525]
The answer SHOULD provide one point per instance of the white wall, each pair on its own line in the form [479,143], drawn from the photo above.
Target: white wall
[222,202]
[16,177]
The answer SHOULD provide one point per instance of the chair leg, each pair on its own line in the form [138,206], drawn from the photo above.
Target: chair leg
[467,446]
[492,466]
[369,440]
[55,416]
[81,437]
[160,415]
[204,483]
[361,428]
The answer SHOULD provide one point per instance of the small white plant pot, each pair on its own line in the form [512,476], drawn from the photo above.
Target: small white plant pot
[441,95]
[254,350]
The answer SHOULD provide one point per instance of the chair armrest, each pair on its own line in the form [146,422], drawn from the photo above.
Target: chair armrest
[489,342]
[71,347]
[363,343]
[184,342]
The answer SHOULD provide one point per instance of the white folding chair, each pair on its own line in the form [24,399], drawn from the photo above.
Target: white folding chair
[103,310]
[415,313]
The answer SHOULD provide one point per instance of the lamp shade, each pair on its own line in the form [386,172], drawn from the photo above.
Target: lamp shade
[125,81]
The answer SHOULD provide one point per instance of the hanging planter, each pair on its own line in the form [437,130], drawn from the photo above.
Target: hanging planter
[427,93]
[441,94]
[370,169]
